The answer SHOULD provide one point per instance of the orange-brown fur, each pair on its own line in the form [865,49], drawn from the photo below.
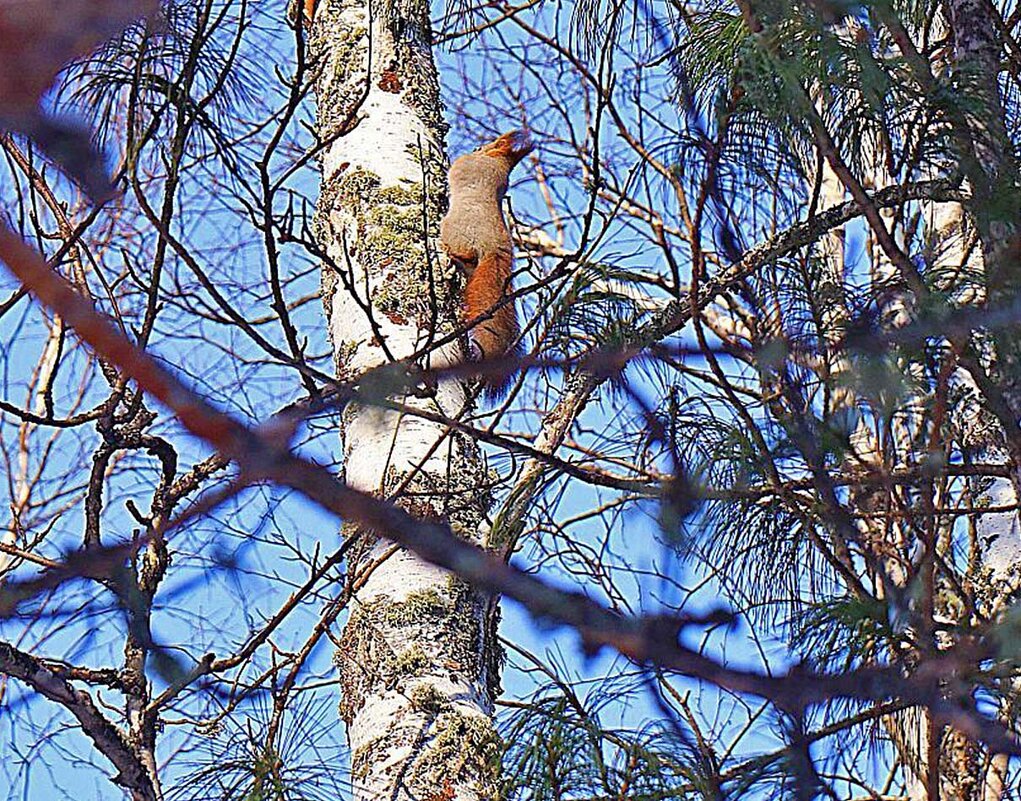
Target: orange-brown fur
[497,334]
[474,234]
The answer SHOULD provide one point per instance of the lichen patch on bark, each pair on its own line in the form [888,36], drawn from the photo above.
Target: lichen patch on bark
[416,658]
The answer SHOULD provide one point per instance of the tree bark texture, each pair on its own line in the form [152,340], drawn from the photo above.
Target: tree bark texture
[969,258]
[417,659]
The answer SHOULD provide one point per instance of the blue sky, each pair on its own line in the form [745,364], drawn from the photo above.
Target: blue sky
[234,568]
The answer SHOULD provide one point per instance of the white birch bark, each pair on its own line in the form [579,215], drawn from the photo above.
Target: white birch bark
[959,262]
[417,658]
[964,254]
[957,259]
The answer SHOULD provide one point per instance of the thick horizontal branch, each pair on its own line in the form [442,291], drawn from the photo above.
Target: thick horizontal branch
[855,478]
[99,564]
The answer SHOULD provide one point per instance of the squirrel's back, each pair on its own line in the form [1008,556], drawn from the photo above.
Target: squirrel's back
[474,234]
[474,221]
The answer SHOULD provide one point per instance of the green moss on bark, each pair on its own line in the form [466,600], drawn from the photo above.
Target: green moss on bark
[465,749]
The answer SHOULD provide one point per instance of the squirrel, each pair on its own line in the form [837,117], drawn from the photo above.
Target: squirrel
[475,237]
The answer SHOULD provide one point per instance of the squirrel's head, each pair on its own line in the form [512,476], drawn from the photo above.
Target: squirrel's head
[511,146]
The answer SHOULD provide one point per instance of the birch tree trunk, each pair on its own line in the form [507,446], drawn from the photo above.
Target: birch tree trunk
[964,773]
[977,52]
[417,659]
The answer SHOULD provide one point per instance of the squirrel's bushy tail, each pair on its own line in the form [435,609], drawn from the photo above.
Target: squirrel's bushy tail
[497,334]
